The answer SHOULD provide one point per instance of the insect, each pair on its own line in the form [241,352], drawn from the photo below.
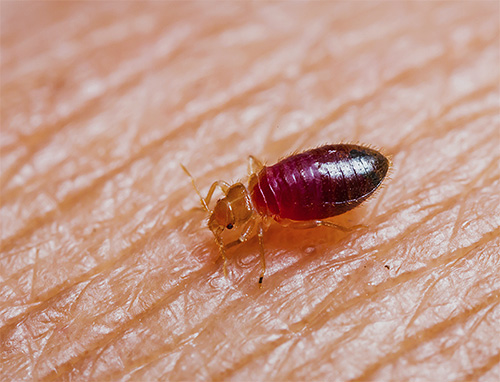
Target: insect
[300,191]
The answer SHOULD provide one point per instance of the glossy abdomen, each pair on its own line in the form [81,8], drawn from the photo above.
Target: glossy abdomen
[319,183]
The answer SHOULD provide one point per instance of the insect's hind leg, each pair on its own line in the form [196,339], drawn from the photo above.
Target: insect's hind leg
[318,223]
[341,228]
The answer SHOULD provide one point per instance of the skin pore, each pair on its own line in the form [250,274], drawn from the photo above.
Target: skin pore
[108,270]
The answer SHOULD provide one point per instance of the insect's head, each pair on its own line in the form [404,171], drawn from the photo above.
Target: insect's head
[221,217]
[232,210]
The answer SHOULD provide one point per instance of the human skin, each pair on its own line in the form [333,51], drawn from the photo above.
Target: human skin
[107,268]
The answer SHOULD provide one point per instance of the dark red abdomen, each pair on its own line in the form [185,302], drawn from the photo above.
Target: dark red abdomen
[319,183]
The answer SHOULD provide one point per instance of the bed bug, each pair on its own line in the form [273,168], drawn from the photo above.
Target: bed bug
[300,191]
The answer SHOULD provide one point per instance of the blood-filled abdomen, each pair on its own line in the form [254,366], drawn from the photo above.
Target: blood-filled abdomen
[319,183]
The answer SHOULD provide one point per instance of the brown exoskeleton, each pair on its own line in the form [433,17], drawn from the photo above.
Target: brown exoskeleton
[235,210]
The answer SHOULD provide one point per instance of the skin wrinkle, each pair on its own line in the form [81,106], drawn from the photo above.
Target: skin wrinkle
[475,326]
[84,278]
[449,127]
[417,335]
[137,320]
[394,81]
[337,113]
[122,86]
[461,209]
[197,331]
[404,277]
[479,146]
[42,34]
[79,55]
[204,34]
[388,284]
[49,332]
[39,139]
[159,142]
[357,301]
[426,202]
[480,371]
[204,325]
[343,338]
[426,293]
[106,339]
[412,228]
[93,272]
[428,333]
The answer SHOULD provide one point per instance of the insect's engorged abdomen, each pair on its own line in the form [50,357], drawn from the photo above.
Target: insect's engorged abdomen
[319,183]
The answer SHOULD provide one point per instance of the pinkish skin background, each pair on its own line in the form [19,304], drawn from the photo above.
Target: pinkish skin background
[107,272]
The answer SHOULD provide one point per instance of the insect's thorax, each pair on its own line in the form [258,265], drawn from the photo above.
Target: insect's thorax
[240,203]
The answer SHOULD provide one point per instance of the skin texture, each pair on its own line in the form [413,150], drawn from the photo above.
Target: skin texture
[107,269]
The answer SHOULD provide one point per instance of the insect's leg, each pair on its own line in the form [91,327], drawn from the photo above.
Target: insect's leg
[220,244]
[317,223]
[245,235]
[262,257]
[341,228]
[224,186]
[248,230]
[254,165]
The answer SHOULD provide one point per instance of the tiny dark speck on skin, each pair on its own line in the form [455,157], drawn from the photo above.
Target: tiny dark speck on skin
[387,266]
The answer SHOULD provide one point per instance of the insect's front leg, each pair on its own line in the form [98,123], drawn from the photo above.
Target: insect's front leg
[246,233]
[224,186]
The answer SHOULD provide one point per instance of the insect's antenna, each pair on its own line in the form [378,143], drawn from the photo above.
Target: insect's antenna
[203,202]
